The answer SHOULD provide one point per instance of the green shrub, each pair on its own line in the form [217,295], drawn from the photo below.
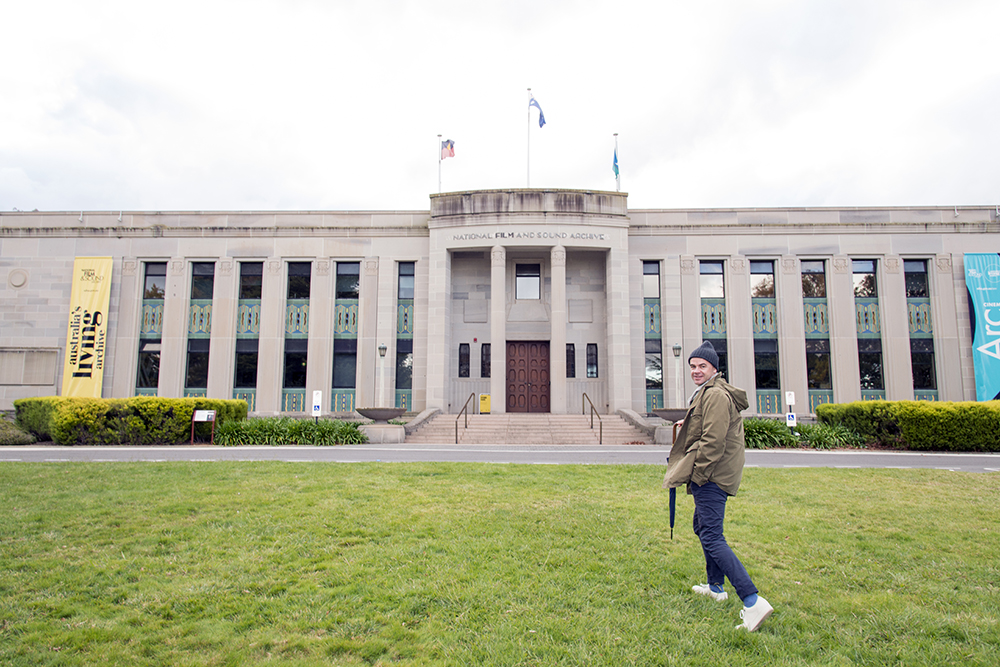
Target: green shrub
[11,434]
[141,420]
[828,436]
[966,426]
[289,431]
[763,433]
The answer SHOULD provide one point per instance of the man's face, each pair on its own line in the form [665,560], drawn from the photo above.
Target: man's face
[701,370]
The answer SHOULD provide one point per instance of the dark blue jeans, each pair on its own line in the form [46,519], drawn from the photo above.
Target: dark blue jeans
[720,561]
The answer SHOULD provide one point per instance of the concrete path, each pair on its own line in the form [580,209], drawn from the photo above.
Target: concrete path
[560,454]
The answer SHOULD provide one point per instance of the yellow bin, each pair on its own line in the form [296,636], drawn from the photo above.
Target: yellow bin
[484,404]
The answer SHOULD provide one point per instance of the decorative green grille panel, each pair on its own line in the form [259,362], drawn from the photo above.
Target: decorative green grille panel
[713,317]
[297,318]
[919,311]
[404,319]
[654,399]
[869,325]
[195,393]
[765,318]
[345,317]
[404,399]
[925,394]
[149,391]
[152,318]
[818,397]
[817,318]
[651,317]
[248,395]
[768,402]
[293,400]
[248,318]
[342,400]
[873,394]
[200,318]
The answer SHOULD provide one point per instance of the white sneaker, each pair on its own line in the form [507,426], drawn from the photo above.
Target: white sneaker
[753,616]
[705,589]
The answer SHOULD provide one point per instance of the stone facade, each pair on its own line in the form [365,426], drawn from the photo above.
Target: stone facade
[545,269]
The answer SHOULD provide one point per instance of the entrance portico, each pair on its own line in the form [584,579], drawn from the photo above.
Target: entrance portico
[527,271]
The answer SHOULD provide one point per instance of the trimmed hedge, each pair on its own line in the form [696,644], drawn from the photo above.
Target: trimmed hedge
[289,431]
[966,426]
[142,420]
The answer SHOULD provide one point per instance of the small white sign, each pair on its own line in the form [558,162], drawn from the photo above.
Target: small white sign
[204,416]
[317,403]
[790,420]
[790,398]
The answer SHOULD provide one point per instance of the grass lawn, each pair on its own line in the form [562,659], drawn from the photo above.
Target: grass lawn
[468,564]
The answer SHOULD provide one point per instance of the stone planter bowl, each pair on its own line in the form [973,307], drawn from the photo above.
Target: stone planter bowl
[380,415]
[670,414]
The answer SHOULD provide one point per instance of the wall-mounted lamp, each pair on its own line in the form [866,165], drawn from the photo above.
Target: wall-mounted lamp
[677,350]
[382,349]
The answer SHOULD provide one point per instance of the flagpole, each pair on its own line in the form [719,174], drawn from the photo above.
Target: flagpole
[529,138]
[618,177]
[439,163]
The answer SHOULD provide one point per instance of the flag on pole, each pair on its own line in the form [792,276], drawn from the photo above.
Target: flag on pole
[541,116]
[447,148]
[614,165]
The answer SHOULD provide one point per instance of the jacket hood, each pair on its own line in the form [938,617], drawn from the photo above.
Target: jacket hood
[738,395]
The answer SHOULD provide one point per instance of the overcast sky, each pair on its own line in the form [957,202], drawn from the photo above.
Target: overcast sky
[336,105]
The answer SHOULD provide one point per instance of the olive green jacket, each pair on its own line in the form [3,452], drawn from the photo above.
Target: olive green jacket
[710,445]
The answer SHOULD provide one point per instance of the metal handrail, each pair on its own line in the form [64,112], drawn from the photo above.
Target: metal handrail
[593,411]
[465,409]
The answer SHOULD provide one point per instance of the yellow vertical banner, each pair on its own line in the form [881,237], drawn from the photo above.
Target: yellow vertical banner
[87,333]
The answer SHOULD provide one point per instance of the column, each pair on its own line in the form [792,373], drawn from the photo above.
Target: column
[619,352]
[173,350]
[367,346]
[271,349]
[843,332]
[673,319]
[739,328]
[557,338]
[385,334]
[944,319]
[691,320]
[127,332]
[897,366]
[498,330]
[438,327]
[222,345]
[319,370]
[792,334]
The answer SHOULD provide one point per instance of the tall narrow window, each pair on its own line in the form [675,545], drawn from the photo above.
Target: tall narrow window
[570,360]
[712,288]
[155,285]
[406,278]
[765,337]
[345,363]
[654,365]
[348,280]
[591,360]
[245,375]
[299,279]
[296,357]
[869,327]
[484,360]
[251,279]
[404,364]
[653,335]
[711,280]
[197,368]
[528,281]
[651,280]
[813,279]
[918,305]
[463,360]
[147,377]
[202,280]
[817,329]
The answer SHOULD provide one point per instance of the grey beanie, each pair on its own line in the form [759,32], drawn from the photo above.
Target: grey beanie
[707,352]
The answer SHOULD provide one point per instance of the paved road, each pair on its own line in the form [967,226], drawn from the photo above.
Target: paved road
[587,454]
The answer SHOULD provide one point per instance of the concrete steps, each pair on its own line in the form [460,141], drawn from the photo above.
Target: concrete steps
[528,429]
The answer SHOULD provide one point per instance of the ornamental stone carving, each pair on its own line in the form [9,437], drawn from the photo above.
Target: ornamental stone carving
[371,266]
[687,266]
[226,268]
[323,267]
[499,257]
[841,265]
[177,267]
[789,266]
[944,263]
[558,256]
[737,266]
[892,265]
[274,267]
[130,267]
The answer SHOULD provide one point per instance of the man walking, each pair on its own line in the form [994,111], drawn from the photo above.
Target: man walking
[708,457]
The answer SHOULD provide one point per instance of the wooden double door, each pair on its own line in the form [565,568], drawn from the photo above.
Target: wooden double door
[528,376]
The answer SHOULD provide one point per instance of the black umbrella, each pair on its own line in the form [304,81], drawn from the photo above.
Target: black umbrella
[673,510]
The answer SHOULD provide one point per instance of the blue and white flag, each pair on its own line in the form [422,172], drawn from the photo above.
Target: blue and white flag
[614,165]
[541,116]
[982,278]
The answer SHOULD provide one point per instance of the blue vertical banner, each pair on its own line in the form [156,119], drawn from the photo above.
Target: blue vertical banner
[982,278]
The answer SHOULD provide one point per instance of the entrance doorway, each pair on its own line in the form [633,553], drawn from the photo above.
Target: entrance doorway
[528,376]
